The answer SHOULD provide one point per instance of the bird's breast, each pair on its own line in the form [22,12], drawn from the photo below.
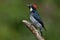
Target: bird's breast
[34,21]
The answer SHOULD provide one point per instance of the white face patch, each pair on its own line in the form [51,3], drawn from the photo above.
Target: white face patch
[31,9]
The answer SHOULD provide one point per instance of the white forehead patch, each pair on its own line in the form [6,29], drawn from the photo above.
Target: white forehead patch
[31,9]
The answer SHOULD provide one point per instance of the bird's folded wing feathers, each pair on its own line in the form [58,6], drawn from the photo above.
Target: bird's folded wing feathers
[37,17]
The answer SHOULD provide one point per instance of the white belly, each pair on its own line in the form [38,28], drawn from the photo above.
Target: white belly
[35,22]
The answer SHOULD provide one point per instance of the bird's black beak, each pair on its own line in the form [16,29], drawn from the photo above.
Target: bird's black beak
[29,5]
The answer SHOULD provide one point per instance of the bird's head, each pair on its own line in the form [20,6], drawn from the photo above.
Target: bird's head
[32,7]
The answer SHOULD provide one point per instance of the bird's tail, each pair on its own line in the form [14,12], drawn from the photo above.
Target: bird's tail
[41,32]
[45,29]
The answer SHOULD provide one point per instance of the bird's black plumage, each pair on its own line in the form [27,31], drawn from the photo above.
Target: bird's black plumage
[37,17]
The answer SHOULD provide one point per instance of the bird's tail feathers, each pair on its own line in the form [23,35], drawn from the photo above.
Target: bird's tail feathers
[45,29]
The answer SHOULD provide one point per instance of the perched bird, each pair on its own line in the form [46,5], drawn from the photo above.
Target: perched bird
[35,18]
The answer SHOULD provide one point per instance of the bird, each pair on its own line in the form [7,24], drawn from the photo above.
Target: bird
[35,18]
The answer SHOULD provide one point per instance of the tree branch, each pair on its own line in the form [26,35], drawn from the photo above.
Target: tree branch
[33,30]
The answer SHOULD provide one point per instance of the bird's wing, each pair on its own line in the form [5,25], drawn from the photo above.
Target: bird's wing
[37,17]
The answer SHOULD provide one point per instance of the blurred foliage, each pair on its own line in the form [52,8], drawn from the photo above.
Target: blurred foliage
[12,12]
[57,2]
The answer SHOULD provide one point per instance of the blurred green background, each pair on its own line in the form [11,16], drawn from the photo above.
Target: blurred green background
[12,12]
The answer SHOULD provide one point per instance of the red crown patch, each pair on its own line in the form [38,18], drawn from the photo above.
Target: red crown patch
[35,6]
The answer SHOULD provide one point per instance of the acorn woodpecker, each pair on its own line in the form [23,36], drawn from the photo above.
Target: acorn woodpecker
[35,18]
